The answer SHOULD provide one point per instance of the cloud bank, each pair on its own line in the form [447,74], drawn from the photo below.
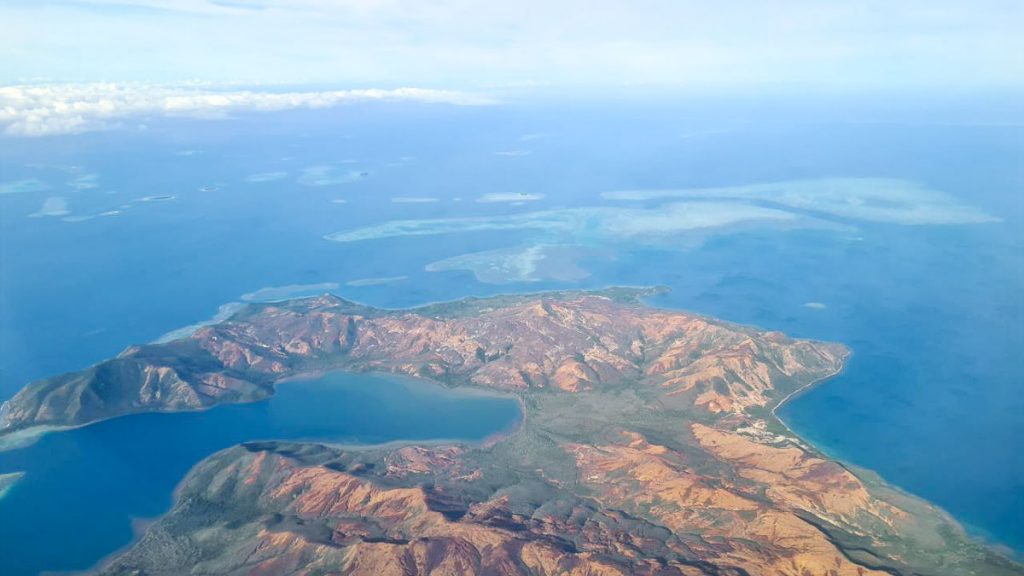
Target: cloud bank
[43,110]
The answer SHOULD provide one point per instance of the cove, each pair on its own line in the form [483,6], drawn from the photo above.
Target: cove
[83,488]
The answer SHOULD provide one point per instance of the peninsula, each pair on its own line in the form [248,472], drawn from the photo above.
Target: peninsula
[649,445]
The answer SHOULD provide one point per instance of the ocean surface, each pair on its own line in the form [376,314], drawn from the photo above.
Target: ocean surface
[83,488]
[893,232]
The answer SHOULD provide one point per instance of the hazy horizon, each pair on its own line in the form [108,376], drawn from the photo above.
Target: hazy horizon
[736,45]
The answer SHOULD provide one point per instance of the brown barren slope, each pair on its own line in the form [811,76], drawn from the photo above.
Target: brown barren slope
[648,446]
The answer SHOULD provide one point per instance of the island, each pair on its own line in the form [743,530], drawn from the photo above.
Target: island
[648,445]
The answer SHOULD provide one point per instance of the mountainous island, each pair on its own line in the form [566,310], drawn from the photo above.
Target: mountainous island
[648,445]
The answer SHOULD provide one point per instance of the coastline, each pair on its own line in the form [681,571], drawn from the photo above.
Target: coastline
[875,478]
[23,437]
[408,379]
[139,528]
[840,359]
[13,439]
[803,389]
[141,525]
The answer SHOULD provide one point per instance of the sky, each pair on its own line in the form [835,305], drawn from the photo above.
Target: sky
[487,45]
[71,66]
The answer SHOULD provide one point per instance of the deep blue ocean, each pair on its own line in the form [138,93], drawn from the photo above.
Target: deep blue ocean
[932,399]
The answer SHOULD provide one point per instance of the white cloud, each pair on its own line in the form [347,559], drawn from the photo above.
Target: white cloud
[42,110]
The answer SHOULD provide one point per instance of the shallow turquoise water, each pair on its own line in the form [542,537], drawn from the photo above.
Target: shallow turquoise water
[83,488]
[932,398]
